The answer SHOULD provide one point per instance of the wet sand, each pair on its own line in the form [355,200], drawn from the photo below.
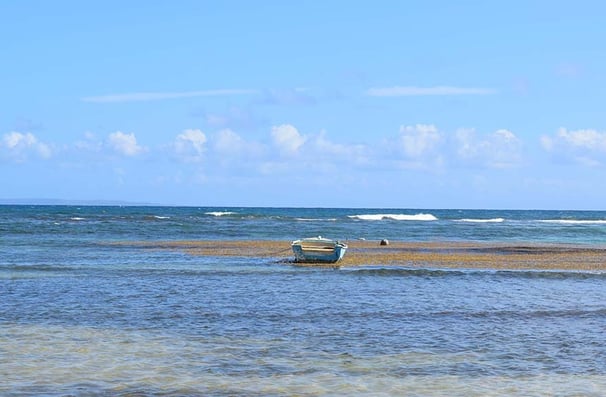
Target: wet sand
[422,255]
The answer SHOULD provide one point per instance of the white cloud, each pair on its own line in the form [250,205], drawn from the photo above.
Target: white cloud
[422,91]
[323,145]
[190,145]
[14,139]
[227,141]
[314,153]
[19,145]
[156,96]
[90,143]
[320,152]
[229,149]
[125,144]
[415,147]
[501,149]
[586,146]
[287,138]
[589,139]
[419,140]
[425,147]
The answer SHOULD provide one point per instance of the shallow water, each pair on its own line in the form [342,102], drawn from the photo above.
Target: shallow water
[79,316]
[228,326]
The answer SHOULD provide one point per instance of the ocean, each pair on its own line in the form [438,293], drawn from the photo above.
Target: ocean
[86,310]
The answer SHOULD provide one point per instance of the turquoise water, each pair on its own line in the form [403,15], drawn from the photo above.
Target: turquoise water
[81,315]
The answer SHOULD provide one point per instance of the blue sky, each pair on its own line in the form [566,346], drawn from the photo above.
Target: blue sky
[418,104]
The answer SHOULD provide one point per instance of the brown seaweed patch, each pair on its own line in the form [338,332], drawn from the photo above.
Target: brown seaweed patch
[410,254]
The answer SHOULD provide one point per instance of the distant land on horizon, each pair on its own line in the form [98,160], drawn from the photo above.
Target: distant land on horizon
[46,201]
[124,203]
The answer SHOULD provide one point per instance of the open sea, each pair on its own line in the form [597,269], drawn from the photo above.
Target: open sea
[86,311]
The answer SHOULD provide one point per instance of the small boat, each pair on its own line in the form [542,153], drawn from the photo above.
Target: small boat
[318,249]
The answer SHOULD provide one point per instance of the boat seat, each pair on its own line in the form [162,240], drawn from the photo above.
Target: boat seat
[316,248]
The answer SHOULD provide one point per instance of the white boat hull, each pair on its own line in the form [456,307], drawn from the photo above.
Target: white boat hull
[318,250]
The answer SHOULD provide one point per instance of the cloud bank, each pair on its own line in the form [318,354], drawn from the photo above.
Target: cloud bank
[584,146]
[21,146]
[421,147]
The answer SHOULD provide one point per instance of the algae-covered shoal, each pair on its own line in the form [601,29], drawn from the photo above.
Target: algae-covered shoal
[413,254]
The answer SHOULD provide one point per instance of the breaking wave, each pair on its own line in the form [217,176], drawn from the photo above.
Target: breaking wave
[493,220]
[396,217]
[220,213]
[316,219]
[575,221]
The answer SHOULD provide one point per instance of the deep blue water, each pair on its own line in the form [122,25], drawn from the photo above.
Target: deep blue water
[64,224]
[81,315]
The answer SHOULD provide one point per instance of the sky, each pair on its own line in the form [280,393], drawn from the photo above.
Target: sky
[391,104]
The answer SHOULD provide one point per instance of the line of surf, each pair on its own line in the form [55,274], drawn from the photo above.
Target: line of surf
[575,221]
[491,220]
[220,213]
[396,217]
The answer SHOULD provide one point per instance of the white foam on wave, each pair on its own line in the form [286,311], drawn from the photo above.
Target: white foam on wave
[492,220]
[161,217]
[575,221]
[396,217]
[219,213]
[77,218]
[316,219]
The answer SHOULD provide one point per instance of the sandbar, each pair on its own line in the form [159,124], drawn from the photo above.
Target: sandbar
[463,255]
